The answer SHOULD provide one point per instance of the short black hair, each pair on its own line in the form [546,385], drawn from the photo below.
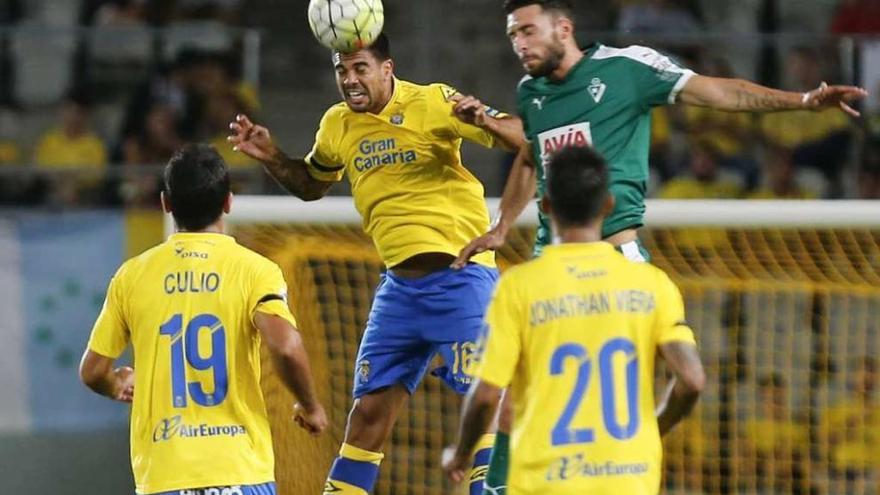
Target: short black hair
[563,6]
[196,186]
[577,185]
[380,48]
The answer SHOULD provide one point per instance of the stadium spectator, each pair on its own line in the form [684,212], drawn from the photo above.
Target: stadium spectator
[850,430]
[818,141]
[780,179]
[155,145]
[778,439]
[705,180]
[157,142]
[221,110]
[175,88]
[857,17]
[731,133]
[72,142]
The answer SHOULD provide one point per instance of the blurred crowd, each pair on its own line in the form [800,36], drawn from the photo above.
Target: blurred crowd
[188,84]
[778,438]
[166,100]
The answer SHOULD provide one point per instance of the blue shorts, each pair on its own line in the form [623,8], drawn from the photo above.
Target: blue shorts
[413,319]
[261,489]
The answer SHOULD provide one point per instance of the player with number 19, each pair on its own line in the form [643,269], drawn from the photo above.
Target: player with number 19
[195,309]
[574,334]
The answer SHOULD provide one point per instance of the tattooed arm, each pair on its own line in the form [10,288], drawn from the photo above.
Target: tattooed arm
[737,95]
[291,173]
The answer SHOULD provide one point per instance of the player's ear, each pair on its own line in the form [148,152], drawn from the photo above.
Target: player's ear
[545,205]
[166,205]
[227,205]
[608,205]
[388,68]
[564,28]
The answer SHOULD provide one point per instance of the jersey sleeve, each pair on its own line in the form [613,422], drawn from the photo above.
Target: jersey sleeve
[324,162]
[658,78]
[670,325]
[444,97]
[110,335]
[503,341]
[269,293]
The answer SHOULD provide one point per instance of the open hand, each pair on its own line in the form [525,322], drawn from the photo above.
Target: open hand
[826,96]
[454,466]
[251,139]
[123,384]
[493,239]
[469,109]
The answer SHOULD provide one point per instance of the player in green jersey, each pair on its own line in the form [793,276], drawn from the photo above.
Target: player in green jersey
[602,96]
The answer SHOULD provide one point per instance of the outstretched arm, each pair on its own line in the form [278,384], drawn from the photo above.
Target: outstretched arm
[738,95]
[519,190]
[256,142]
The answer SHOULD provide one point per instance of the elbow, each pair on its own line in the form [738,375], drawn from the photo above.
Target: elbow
[309,194]
[293,348]
[89,376]
[693,382]
[486,396]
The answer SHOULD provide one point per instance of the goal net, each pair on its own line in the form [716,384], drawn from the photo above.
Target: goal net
[784,298]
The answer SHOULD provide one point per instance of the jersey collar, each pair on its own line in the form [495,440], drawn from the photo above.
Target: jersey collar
[599,248]
[200,236]
[588,54]
[393,103]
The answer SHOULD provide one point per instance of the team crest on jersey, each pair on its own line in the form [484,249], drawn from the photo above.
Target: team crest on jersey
[397,119]
[363,369]
[597,89]
[570,135]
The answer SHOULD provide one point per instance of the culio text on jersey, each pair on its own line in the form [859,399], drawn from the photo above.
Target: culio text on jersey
[191,281]
[373,153]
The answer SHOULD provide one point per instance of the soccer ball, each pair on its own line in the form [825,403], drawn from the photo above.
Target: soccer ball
[346,25]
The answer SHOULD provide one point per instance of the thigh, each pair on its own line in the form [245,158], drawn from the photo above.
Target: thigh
[373,416]
[457,325]
[392,351]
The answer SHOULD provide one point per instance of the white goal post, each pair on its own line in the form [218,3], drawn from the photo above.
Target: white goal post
[660,213]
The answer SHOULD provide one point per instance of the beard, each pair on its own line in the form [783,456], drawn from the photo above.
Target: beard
[551,62]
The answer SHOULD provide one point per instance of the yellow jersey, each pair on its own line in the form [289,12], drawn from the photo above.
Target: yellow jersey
[55,149]
[574,334]
[187,306]
[407,179]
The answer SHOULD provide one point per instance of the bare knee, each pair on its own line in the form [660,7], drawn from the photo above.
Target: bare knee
[372,417]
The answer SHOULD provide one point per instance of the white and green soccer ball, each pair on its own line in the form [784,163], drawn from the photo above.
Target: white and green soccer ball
[346,25]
